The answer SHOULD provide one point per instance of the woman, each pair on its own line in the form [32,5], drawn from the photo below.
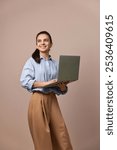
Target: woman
[46,123]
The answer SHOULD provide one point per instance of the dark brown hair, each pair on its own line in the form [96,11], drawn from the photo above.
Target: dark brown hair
[36,53]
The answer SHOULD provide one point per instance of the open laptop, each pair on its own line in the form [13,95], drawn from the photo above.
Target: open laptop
[68,69]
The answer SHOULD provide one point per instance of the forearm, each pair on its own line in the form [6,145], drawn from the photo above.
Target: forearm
[38,84]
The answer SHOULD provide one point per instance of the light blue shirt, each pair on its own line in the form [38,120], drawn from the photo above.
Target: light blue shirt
[44,71]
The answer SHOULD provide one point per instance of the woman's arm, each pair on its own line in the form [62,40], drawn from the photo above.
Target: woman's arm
[38,84]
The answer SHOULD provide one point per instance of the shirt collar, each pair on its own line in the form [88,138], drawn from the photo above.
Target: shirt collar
[50,58]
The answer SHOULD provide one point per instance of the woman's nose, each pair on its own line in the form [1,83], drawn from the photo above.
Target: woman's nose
[42,42]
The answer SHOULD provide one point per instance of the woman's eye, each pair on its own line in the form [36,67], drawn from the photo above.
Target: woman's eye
[38,41]
[46,40]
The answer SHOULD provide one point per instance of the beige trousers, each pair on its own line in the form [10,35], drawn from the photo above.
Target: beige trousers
[46,123]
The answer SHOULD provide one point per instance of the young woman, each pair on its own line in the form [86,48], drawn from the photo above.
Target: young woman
[46,123]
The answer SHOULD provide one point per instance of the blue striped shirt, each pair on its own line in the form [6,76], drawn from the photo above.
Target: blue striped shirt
[44,71]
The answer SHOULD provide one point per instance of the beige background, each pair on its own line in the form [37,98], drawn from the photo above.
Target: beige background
[74,26]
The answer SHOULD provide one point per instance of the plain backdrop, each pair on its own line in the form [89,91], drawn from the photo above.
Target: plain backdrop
[74,27]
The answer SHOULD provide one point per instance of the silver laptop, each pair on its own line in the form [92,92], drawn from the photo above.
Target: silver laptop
[68,69]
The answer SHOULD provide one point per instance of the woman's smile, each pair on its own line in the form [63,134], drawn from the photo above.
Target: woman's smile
[43,43]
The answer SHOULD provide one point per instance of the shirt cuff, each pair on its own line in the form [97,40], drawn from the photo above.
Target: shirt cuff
[30,84]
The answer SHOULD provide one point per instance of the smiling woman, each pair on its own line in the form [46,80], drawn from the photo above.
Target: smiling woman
[46,123]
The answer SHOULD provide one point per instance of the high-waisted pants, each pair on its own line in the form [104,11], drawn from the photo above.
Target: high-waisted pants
[46,123]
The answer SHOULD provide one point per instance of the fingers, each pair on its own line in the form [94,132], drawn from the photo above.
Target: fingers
[62,86]
[54,80]
[65,83]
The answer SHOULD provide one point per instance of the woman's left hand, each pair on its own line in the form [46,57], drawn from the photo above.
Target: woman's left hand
[62,86]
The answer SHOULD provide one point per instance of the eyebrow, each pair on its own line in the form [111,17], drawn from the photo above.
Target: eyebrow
[43,39]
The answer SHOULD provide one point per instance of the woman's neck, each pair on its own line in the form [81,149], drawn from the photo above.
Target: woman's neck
[45,55]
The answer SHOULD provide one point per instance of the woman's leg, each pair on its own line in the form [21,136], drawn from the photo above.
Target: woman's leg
[59,133]
[38,118]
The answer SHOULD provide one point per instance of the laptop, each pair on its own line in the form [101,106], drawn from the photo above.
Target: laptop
[68,69]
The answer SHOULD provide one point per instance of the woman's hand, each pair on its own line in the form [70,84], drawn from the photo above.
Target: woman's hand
[51,81]
[62,85]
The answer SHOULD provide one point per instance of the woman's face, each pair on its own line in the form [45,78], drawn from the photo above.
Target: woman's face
[43,43]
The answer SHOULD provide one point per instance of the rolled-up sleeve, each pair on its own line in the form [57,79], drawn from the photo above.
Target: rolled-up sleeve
[27,76]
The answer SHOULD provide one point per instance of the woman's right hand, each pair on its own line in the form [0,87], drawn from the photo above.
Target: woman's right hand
[51,81]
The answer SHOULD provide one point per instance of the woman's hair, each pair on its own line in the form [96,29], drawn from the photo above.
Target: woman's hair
[36,53]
